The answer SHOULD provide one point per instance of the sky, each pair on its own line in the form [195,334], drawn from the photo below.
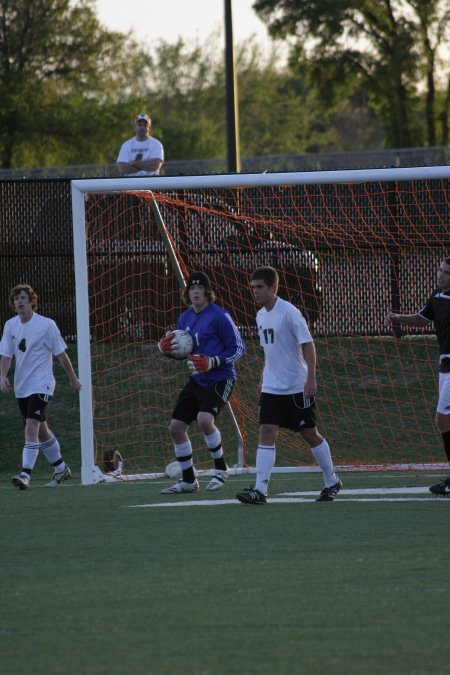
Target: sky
[151,20]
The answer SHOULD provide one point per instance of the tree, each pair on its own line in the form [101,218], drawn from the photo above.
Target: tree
[69,92]
[391,48]
[187,94]
[280,111]
[61,74]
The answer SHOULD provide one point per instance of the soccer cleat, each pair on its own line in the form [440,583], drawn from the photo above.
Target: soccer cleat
[218,480]
[251,496]
[442,488]
[181,487]
[22,480]
[58,478]
[329,493]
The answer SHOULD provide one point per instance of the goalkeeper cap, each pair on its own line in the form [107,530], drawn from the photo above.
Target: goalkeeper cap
[146,118]
[198,279]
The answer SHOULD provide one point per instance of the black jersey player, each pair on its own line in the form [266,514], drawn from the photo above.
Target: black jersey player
[436,310]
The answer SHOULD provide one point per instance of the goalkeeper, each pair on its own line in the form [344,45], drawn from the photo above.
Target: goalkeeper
[217,346]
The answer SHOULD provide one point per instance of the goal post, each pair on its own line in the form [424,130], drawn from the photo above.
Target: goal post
[91,472]
[349,246]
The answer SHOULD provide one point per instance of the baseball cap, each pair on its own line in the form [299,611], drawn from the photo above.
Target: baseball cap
[198,279]
[146,118]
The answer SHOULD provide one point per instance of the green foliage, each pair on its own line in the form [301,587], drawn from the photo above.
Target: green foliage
[62,77]
[360,75]
[70,97]
[392,47]
[187,92]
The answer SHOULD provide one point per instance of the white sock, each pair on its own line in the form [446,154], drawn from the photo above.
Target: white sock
[214,443]
[265,460]
[183,453]
[323,458]
[29,455]
[52,452]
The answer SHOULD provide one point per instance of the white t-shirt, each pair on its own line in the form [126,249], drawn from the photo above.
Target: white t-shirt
[150,148]
[281,332]
[33,344]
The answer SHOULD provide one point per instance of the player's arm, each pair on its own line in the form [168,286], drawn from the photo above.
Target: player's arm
[66,363]
[153,164]
[413,320]
[233,350]
[5,364]
[234,344]
[261,377]
[309,354]
[126,163]
[126,167]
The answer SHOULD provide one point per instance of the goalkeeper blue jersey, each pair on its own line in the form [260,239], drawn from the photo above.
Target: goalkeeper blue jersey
[215,334]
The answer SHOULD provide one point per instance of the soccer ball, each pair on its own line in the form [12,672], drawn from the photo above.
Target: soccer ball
[173,470]
[182,344]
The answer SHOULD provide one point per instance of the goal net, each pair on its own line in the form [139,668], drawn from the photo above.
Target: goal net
[349,246]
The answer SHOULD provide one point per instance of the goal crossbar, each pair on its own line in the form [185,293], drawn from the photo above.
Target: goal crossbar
[261,179]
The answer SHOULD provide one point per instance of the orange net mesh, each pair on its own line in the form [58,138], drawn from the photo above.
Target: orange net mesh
[346,255]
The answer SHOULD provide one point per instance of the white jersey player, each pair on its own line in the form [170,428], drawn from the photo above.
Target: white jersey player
[288,386]
[33,340]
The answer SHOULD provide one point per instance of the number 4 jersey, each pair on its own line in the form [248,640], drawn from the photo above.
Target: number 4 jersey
[282,331]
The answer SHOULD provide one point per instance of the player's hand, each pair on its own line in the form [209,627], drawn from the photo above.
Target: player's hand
[5,386]
[199,363]
[75,383]
[165,344]
[310,388]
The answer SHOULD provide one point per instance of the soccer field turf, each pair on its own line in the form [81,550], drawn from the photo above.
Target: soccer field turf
[109,579]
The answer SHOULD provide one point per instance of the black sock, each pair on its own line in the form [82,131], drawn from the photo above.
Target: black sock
[188,475]
[220,464]
[446,439]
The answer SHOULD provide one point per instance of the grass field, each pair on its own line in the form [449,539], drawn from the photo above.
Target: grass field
[109,579]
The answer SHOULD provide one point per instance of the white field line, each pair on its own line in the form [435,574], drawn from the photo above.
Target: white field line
[349,495]
[368,491]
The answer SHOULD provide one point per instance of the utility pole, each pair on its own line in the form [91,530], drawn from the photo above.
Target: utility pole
[232,114]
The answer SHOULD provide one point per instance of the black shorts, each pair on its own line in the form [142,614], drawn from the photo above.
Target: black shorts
[287,411]
[34,407]
[194,399]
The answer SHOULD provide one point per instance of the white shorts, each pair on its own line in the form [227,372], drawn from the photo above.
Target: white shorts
[443,405]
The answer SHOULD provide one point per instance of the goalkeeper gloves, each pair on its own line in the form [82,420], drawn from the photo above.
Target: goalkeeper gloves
[199,363]
[165,344]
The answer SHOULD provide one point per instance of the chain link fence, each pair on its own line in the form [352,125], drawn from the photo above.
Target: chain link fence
[321,161]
